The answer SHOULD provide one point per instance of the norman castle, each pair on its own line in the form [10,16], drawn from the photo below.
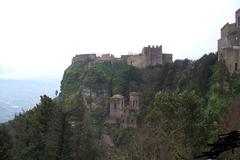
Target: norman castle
[150,56]
[229,45]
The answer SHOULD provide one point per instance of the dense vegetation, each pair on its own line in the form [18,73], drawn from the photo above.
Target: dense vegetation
[184,106]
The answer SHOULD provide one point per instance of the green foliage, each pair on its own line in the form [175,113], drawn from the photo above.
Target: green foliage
[183,107]
[148,144]
[5,143]
[201,73]
[71,78]
[51,131]
[95,79]
[115,77]
[177,116]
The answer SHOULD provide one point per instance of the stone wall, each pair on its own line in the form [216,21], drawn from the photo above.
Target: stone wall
[237,17]
[150,56]
[135,60]
[134,100]
[84,57]
[106,57]
[125,114]
[228,36]
[116,107]
[231,58]
[167,58]
[128,120]
[229,45]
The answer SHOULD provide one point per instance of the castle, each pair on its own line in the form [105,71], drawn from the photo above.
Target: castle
[229,45]
[150,56]
[122,113]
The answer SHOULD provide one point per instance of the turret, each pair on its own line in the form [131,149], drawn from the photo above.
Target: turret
[116,106]
[134,100]
[237,14]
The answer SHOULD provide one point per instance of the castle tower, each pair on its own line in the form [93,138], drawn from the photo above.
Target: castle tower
[134,100]
[237,15]
[116,107]
[229,45]
[152,55]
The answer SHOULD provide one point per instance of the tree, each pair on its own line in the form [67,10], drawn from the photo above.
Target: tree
[147,144]
[177,117]
[5,143]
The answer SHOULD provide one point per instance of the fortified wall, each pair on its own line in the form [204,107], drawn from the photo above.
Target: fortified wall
[229,45]
[150,56]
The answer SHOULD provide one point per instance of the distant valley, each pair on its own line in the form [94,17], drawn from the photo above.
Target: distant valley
[21,95]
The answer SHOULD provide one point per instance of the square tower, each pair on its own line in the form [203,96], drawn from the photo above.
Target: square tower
[229,45]
[237,15]
[134,100]
[116,107]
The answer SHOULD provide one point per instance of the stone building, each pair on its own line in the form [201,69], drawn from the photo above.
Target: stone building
[229,45]
[117,105]
[84,57]
[124,114]
[150,56]
[106,57]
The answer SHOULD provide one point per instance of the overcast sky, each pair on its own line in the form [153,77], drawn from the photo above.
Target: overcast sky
[39,38]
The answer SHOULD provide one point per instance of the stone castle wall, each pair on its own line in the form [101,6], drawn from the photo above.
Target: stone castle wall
[150,56]
[231,58]
[167,58]
[229,45]
[84,57]
[237,17]
[135,60]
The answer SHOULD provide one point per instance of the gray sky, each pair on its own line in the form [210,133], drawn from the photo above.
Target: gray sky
[39,38]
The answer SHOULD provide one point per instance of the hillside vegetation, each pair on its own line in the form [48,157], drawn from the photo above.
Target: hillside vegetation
[184,106]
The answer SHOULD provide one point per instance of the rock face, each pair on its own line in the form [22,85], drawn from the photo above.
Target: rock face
[229,45]
[150,56]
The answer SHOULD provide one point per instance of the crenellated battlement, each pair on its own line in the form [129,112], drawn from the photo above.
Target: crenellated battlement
[150,56]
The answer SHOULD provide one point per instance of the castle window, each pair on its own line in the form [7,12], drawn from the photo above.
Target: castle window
[236,66]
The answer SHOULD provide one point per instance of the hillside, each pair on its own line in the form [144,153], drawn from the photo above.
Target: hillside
[183,106]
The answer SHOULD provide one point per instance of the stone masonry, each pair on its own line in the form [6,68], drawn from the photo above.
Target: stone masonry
[124,114]
[150,56]
[229,45]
